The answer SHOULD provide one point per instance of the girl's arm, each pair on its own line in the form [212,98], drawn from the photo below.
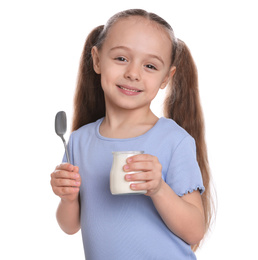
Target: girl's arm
[184,216]
[65,181]
[68,216]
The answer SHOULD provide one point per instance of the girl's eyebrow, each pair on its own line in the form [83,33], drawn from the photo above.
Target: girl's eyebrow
[128,49]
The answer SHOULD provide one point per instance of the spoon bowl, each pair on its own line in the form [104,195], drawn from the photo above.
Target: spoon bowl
[60,128]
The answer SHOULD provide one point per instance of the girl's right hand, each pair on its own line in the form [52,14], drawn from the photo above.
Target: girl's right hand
[66,181]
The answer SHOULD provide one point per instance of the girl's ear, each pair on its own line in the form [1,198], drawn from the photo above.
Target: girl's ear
[95,59]
[168,77]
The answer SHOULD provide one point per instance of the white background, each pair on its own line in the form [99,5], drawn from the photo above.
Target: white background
[40,47]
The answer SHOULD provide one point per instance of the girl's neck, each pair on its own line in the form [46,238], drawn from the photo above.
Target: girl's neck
[127,124]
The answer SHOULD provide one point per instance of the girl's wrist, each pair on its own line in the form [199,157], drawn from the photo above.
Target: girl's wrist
[160,192]
[69,202]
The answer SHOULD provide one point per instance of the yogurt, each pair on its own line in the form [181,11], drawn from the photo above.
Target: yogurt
[118,184]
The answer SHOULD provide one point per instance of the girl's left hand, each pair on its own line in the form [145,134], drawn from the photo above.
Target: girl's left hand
[150,172]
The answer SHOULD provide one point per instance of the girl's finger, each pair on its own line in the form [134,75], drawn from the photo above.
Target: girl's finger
[65,166]
[66,191]
[140,176]
[61,174]
[138,166]
[149,185]
[66,183]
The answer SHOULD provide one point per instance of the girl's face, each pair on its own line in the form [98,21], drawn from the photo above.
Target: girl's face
[134,63]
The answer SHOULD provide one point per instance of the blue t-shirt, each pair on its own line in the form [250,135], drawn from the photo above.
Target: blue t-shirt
[123,227]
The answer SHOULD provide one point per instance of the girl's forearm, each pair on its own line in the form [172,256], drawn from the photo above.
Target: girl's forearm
[68,216]
[184,219]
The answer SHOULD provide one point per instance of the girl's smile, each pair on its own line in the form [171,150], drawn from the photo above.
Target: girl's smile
[128,90]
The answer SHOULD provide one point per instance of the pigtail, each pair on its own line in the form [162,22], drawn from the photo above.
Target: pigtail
[182,104]
[89,103]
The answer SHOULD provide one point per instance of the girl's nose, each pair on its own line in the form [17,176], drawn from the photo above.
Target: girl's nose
[133,72]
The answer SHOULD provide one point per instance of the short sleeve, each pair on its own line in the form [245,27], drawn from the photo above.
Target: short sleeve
[184,175]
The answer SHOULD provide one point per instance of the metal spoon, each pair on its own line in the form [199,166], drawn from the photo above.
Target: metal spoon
[60,127]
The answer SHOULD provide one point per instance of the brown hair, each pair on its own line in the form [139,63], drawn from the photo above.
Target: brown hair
[182,103]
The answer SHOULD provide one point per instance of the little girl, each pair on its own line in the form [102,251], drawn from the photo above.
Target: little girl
[123,66]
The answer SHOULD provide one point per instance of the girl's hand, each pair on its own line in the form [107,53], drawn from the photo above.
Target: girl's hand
[66,181]
[150,172]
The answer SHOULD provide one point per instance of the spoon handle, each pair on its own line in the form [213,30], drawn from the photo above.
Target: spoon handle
[66,152]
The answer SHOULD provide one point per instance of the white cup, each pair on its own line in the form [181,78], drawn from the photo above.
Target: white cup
[118,184]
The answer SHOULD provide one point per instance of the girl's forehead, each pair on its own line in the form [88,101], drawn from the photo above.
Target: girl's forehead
[132,29]
[134,22]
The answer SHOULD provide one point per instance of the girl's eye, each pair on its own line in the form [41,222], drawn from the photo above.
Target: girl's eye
[149,66]
[120,59]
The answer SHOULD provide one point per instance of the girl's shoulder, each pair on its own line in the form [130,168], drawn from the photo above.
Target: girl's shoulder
[86,129]
[169,127]
[169,132]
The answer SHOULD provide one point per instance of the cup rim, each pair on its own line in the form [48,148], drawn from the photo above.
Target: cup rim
[128,152]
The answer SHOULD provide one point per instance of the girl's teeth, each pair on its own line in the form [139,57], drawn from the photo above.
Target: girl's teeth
[129,89]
